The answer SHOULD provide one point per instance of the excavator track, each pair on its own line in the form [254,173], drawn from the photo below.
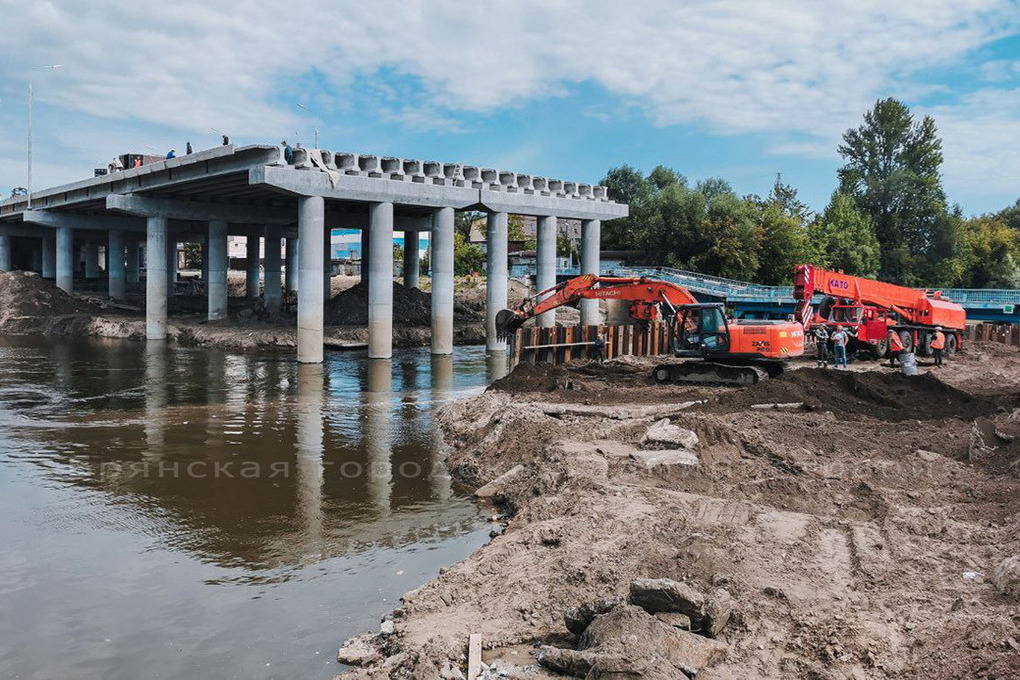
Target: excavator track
[709,374]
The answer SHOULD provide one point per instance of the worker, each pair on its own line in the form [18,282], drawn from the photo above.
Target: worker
[226,140]
[895,348]
[171,154]
[938,344]
[288,153]
[600,348]
[821,337]
[839,340]
[187,149]
[116,165]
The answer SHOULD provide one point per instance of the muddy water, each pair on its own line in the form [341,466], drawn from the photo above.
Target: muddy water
[181,513]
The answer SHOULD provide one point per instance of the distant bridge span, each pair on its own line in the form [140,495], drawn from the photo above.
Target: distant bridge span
[754,300]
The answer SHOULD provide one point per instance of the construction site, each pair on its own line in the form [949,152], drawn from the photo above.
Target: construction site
[815,523]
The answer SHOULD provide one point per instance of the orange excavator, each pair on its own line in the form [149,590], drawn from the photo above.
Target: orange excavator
[736,353]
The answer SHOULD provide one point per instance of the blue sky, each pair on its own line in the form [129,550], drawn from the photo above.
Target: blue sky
[738,89]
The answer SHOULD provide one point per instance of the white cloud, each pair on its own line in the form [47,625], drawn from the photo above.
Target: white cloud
[742,66]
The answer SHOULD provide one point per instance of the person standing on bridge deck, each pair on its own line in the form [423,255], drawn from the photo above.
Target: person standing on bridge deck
[171,154]
[288,153]
[839,340]
[938,344]
[226,140]
[187,149]
[821,337]
[895,347]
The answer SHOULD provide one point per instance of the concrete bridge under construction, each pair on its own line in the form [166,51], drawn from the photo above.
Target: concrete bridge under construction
[253,191]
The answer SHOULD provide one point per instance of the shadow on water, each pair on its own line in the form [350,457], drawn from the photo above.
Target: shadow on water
[176,512]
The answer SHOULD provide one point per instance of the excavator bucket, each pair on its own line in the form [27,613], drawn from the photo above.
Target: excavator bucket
[507,324]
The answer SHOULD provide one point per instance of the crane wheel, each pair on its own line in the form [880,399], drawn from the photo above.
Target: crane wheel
[952,343]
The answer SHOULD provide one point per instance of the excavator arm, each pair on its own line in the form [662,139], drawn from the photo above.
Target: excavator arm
[646,296]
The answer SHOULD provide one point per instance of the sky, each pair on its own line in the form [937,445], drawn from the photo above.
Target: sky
[740,89]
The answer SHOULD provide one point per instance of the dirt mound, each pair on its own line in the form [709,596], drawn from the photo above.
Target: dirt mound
[578,375]
[885,395]
[411,307]
[29,303]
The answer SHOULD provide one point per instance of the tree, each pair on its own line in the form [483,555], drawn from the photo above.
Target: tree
[843,238]
[624,185]
[784,243]
[892,171]
[730,240]
[515,228]
[467,257]
[989,250]
[1011,215]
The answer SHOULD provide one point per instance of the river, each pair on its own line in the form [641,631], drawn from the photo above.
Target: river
[168,512]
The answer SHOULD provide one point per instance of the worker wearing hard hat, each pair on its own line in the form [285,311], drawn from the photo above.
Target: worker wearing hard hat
[938,344]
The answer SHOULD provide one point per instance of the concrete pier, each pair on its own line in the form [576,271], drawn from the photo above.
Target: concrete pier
[412,261]
[116,270]
[441,242]
[216,287]
[251,278]
[545,257]
[156,261]
[292,265]
[311,223]
[274,281]
[591,235]
[5,253]
[134,261]
[91,260]
[496,278]
[327,264]
[380,276]
[65,259]
[49,263]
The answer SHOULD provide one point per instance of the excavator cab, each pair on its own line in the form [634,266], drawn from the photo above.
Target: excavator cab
[701,330]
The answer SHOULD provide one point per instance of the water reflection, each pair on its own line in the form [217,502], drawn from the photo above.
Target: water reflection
[175,483]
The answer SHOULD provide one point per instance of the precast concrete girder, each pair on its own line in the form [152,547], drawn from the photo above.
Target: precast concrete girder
[193,210]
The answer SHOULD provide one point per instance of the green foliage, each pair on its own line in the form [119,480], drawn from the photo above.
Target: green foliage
[988,253]
[843,238]
[192,255]
[467,257]
[515,228]
[892,171]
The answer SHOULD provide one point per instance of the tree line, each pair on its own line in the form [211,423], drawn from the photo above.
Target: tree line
[888,217]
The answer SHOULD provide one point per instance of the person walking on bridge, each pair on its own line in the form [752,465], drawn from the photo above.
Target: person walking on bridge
[895,348]
[938,344]
[839,340]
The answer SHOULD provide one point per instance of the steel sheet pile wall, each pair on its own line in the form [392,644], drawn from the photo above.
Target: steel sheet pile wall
[564,343]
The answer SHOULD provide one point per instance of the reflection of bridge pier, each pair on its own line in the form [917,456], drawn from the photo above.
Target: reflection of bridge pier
[378,433]
[442,387]
[155,398]
[310,449]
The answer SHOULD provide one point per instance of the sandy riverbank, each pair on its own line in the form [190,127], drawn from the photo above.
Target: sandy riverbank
[31,305]
[866,529]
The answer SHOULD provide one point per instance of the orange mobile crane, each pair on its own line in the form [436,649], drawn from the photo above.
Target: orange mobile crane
[870,310]
[730,352]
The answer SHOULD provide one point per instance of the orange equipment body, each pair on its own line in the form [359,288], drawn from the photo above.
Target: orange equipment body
[871,309]
[654,300]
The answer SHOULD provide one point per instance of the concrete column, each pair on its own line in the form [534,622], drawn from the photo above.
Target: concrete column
[134,264]
[216,286]
[205,259]
[545,259]
[156,261]
[441,242]
[274,289]
[5,253]
[591,236]
[49,263]
[412,262]
[496,278]
[91,260]
[292,265]
[380,278]
[327,264]
[311,224]
[117,272]
[251,280]
[65,259]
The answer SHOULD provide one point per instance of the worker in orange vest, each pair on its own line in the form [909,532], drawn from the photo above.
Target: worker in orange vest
[895,347]
[937,345]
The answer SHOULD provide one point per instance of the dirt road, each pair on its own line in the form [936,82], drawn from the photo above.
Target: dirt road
[858,530]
